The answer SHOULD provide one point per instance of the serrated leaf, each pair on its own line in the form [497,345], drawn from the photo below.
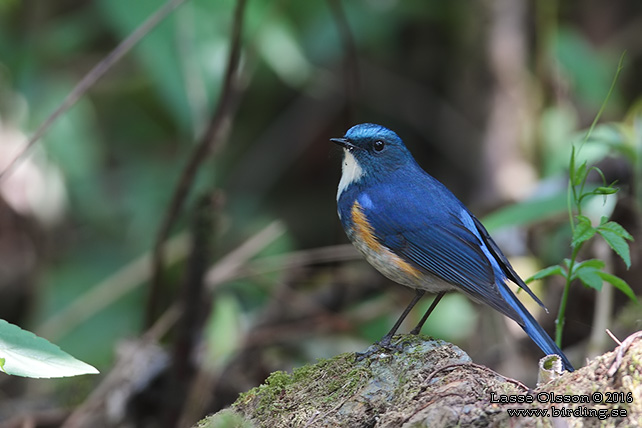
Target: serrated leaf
[583,231]
[590,277]
[616,228]
[584,268]
[546,272]
[617,244]
[620,284]
[25,354]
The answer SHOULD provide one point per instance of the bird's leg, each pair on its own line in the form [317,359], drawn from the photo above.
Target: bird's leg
[385,341]
[432,307]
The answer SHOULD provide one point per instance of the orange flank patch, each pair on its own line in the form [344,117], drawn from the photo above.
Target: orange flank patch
[365,233]
[363,228]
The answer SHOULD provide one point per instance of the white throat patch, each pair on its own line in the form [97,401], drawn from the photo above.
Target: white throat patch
[351,172]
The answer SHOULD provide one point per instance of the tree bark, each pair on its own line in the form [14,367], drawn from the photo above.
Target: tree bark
[434,383]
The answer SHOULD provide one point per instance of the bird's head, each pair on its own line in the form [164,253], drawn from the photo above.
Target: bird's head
[371,150]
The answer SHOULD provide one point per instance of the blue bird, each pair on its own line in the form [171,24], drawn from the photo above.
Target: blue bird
[414,231]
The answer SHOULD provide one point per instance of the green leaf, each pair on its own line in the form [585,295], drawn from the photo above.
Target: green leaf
[185,51]
[25,354]
[605,190]
[616,236]
[578,175]
[588,272]
[526,212]
[616,136]
[583,232]
[223,330]
[546,272]
[620,284]
[587,68]
[616,228]
[590,263]
[584,271]
[590,277]
[571,167]
[529,211]
[280,48]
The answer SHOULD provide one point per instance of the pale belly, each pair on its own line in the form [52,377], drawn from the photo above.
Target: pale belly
[393,268]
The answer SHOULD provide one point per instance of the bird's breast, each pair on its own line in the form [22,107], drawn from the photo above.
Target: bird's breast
[364,237]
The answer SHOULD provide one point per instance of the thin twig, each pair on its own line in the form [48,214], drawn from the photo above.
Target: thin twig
[230,265]
[245,251]
[621,350]
[235,264]
[612,336]
[164,323]
[90,78]
[213,135]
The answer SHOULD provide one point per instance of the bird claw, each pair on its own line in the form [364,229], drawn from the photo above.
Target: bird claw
[380,346]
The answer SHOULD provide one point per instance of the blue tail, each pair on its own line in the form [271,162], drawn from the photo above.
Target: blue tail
[532,328]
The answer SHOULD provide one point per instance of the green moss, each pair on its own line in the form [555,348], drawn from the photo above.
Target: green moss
[224,419]
[329,380]
[267,393]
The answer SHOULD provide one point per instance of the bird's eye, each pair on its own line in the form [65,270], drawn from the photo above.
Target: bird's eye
[379,145]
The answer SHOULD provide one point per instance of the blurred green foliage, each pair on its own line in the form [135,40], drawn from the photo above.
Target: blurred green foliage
[423,70]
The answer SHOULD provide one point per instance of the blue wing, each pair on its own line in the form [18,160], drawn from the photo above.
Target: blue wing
[431,229]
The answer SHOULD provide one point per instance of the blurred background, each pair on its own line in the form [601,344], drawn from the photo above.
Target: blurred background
[252,272]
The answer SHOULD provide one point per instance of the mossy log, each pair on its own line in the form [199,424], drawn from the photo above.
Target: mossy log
[431,383]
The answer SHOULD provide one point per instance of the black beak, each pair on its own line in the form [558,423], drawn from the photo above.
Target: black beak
[343,142]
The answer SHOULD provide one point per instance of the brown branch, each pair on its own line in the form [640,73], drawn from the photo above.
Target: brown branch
[213,135]
[92,77]
[195,301]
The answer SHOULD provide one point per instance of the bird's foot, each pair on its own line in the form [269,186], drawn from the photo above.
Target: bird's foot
[381,346]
